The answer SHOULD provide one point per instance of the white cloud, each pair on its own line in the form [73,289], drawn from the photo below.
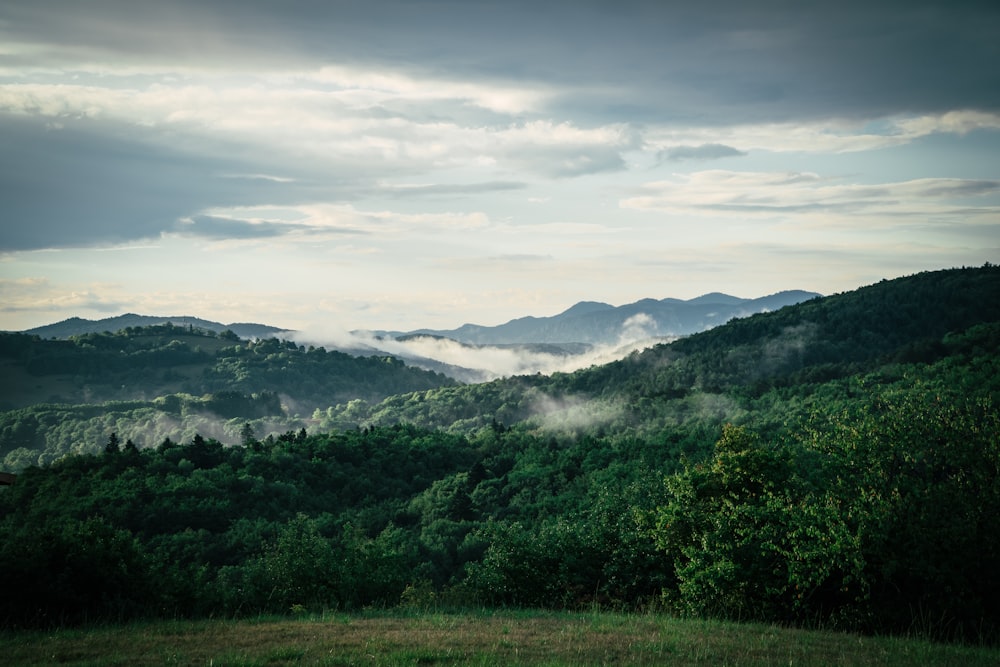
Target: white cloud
[358,117]
[312,223]
[40,295]
[640,326]
[803,195]
[368,87]
[828,136]
[485,362]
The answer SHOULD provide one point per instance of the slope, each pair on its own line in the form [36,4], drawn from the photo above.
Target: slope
[906,319]
[65,396]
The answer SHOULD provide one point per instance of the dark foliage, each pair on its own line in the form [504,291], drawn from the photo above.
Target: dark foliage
[826,464]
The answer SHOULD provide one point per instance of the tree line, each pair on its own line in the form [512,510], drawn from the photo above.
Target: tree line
[874,507]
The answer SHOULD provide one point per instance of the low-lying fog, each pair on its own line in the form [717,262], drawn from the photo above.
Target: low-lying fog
[478,363]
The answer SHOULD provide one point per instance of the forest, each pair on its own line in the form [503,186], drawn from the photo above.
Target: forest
[831,464]
[149,383]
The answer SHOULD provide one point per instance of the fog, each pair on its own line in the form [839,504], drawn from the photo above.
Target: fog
[481,363]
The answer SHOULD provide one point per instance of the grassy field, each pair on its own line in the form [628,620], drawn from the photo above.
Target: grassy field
[488,638]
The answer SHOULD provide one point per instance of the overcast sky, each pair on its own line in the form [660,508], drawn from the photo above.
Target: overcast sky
[426,163]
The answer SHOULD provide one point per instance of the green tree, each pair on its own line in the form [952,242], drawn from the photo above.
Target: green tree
[749,539]
[298,568]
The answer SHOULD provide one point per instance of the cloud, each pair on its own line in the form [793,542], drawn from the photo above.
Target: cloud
[807,195]
[39,295]
[327,126]
[521,257]
[830,135]
[573,413]
[92,183]
[405,190]
[477,363]
[702,152]
[640,326]
[214,227]
[126,158]
[714,60]
[564,149]
[427,129]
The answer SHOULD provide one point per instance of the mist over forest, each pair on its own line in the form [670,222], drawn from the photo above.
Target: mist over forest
[833,463]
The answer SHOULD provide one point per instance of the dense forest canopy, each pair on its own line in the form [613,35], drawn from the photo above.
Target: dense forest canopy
[148,383]
[835,463]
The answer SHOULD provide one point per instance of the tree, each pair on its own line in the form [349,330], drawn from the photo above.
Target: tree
[247,436]
[749,538]
[298,568]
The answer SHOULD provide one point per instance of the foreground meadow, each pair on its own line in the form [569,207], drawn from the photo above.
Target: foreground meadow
[501,638]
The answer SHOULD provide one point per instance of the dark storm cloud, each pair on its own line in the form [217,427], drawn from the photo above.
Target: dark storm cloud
[89,183]
[73,187]
[648,61]
[214,227]
[225,228]
[702,152]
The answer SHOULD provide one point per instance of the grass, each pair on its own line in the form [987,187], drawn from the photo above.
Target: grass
[487,638]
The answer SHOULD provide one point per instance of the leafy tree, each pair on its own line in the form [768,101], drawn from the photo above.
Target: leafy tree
[113,445]
[750,539]
[72,571]
[299,568]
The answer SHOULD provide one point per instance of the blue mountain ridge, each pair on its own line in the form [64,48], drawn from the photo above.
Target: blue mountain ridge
[598,323]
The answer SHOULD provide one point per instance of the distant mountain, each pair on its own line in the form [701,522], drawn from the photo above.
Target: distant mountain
[598,323]
[76,326]
[917,319]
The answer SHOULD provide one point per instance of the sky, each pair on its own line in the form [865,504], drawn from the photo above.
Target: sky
[391,164]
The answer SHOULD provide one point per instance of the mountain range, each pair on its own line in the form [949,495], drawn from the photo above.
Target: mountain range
[586,323]
[597,323]
[586,333]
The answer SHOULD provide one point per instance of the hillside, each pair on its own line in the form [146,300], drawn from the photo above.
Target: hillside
[907,319]
[149,383]
[77,326]
[801,467]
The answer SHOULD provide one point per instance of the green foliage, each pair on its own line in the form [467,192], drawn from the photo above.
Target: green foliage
[708,378]
[876,518]
[827,464]
[69,571]
[750,538]
[86,387]
[298,568]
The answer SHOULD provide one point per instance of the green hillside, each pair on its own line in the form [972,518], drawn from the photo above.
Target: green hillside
[831,464]
[720,373]
[148,383]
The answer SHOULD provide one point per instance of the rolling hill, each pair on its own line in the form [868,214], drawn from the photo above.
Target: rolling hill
[820,340]
[832,463]
[76,326]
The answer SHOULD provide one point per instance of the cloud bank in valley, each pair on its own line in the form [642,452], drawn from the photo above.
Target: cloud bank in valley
[476,363]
